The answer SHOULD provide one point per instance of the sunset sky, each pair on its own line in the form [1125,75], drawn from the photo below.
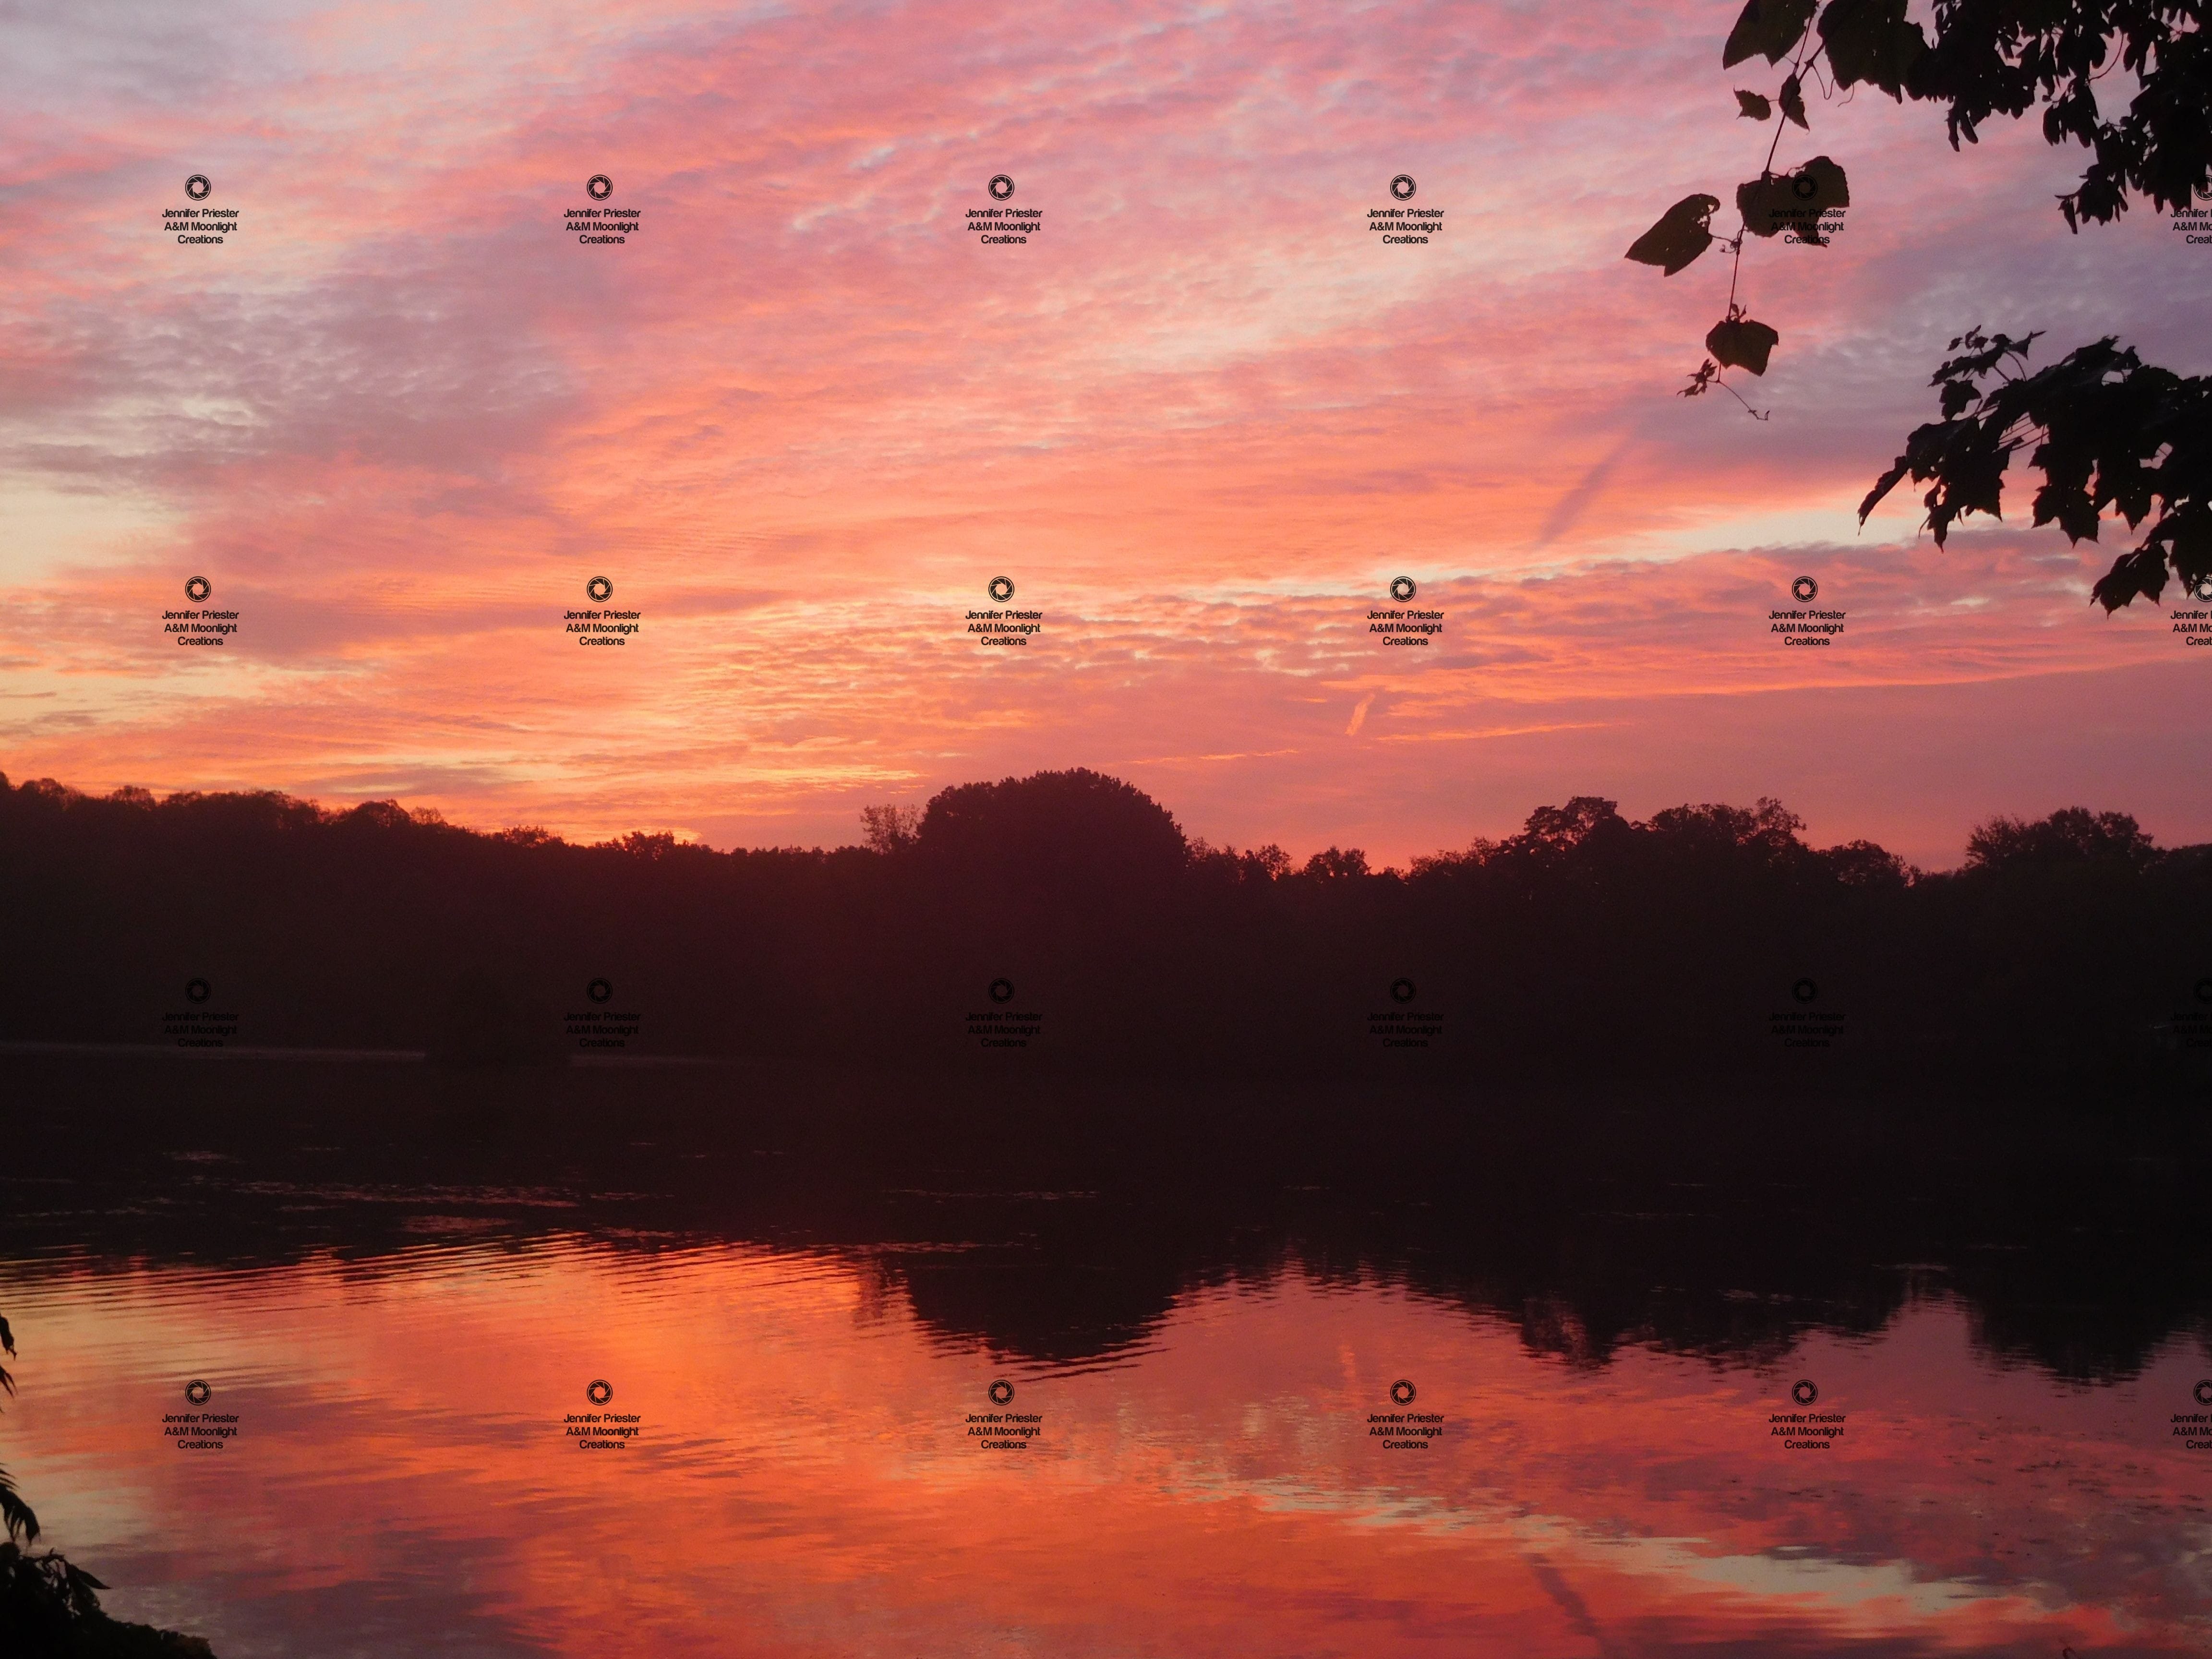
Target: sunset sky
[401,416]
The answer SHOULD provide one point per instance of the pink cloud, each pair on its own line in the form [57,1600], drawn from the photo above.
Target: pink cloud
[1201,420]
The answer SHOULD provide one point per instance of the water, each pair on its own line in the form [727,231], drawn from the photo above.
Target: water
[402,1291]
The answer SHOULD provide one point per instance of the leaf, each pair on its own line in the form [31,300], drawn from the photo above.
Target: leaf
[1793,102]
[1740,343]
[1871,40]
[1682,233]
[2142,572]
[1751,104]
[19,1519]
[1831,186]
[1888,481]
[2186,535]
[1765,204]
[1775,202]
[1770,27]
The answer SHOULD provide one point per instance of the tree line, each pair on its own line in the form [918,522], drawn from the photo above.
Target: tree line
[2069,953]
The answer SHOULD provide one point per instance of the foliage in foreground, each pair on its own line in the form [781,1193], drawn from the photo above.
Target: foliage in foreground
[49,1607]
[2110,433]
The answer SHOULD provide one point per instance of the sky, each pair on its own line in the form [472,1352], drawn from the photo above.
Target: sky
[401,416]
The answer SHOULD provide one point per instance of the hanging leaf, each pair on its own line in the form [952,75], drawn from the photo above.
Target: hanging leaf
[1681,235]
[1770,27]
[1751,104]
[1740,343]
[1793,103]
[1775,202]
[1765,204]
[17,1518]
[1871,40]
[1817,187]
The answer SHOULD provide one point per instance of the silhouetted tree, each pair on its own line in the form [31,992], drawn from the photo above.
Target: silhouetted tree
[376,928]
[1989,58]
[2109,432]
[890,828]
[1335,864]
[2069,835]
[1077,831]
[1552,834]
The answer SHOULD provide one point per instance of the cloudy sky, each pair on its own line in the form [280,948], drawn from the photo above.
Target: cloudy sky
[400,417]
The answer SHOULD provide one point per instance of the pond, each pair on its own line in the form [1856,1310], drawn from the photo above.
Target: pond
[511,1364]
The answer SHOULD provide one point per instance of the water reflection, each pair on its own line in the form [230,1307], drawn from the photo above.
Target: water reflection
[403,1299]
